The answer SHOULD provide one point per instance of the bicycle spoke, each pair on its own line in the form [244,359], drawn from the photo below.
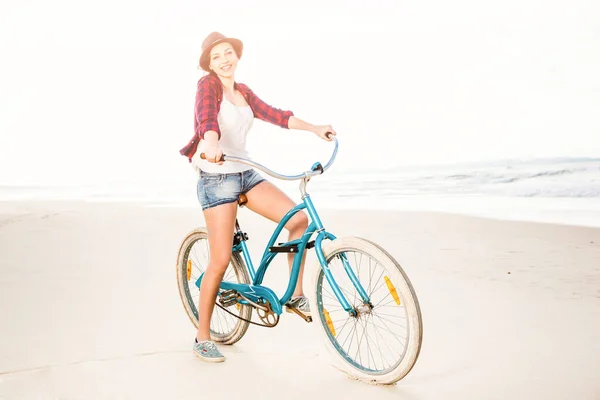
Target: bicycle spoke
[390,321]
[386,304]
[333,298]
[370,278]
[193,254]
[369,346]
[358,268]
[354,335]
[384,341]
[217,322]
[380,286]
[339,309]
[383,359]
[347,293]
[342,289]
[403,317]
[348,337]
[232,319]
[340,320]
[341,286]
[223,316]
[195,261]
[206,250]
[387,328]
[358,342]
[378,279]
[339,331]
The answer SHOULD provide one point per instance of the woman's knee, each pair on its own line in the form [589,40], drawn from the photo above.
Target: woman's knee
[220,261]
[298,223]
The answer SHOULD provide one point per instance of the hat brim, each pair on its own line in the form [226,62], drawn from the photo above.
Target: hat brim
[237,44]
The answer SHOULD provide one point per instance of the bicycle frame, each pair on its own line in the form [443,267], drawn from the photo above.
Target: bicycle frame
[315,227]
[255,290]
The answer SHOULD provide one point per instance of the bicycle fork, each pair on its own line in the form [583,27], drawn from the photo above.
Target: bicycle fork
[322,234]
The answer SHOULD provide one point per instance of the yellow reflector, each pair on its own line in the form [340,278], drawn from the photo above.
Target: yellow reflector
[329,322]
[189,269]
[392,289]
[237,305]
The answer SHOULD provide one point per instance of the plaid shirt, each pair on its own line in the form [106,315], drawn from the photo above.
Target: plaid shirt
[208,101]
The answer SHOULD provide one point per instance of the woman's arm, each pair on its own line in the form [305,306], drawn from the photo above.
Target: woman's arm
[319,130]
[206,112]
[212,150]
[284,119]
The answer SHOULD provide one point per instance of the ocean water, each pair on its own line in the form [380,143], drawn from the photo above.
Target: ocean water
[559,190]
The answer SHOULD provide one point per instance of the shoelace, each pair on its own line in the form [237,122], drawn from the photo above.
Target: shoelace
[209,346]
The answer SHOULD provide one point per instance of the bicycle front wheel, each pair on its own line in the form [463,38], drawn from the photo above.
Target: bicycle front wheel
[382,341]
[192,261]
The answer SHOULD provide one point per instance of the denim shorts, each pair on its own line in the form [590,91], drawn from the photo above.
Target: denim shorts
[216,188]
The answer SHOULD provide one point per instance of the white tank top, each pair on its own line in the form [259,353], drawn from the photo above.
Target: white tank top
[234,123]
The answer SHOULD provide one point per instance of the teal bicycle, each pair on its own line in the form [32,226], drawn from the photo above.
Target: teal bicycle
[363,303]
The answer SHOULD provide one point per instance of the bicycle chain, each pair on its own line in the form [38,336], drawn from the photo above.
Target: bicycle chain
[247,320]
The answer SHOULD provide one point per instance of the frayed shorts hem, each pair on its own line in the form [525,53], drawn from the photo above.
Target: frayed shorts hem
[215,189]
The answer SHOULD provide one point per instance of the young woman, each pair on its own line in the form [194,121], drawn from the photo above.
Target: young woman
[224,114]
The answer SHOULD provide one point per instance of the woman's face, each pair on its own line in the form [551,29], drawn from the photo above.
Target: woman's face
[223,60]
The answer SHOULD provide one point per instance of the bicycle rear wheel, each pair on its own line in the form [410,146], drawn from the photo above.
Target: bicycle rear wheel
[192,261]
[382,342]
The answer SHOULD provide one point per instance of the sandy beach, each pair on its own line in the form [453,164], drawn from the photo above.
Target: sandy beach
[90,309]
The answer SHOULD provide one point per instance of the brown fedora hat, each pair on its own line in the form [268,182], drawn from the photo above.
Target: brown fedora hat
[211,41]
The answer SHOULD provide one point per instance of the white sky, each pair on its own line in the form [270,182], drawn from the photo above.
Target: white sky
[93,91]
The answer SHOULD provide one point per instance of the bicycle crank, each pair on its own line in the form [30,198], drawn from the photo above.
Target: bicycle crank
[305,317]
[265,313]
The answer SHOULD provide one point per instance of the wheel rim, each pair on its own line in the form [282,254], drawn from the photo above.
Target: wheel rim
[222,324]
[375,342]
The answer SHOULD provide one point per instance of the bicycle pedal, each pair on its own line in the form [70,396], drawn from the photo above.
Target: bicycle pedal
[227,298]
[305,317]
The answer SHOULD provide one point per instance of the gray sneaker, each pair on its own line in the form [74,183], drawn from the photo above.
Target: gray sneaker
[208,351]
[300,303]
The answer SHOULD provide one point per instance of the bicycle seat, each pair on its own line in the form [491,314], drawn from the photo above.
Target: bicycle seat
[242,200]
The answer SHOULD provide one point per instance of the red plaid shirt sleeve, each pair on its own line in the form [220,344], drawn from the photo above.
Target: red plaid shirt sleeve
[207,107]
[206,110]
[263,111]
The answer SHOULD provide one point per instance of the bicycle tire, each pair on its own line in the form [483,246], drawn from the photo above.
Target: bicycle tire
[186,287]
[322,295]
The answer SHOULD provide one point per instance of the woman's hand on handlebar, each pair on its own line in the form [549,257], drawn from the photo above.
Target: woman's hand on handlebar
[324,132]
[212,151]
[213,154]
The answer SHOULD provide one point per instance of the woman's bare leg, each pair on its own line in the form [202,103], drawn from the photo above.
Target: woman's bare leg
[269,201]
[220,222]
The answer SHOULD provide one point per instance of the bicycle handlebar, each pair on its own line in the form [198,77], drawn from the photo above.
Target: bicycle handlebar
[317,168]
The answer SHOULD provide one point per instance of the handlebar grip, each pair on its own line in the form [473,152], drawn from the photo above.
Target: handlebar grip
[203,156]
